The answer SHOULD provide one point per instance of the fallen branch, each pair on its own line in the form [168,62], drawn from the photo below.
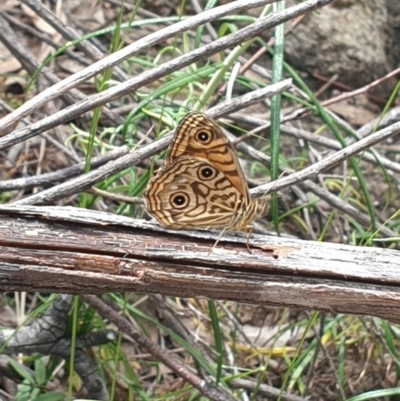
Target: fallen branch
[68,250]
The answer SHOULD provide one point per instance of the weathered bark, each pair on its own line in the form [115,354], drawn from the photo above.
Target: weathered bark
[67,250]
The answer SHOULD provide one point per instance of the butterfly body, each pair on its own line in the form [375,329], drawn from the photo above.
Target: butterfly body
[202,184]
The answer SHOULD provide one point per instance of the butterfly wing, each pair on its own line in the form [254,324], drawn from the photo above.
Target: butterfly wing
[192,193]
[199,136]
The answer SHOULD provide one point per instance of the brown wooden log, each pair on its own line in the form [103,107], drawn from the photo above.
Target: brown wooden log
[69,250]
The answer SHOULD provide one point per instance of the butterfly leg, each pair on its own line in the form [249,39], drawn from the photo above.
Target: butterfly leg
[249,232]
[218,239]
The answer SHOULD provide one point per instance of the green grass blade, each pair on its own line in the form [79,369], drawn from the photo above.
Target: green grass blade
[333,127]
[277,73]
[219,350]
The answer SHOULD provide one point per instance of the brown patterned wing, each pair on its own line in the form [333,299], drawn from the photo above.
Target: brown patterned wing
[192,193]
[200,136]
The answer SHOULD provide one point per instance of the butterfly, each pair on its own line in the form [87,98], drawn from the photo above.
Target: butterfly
[202,184]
